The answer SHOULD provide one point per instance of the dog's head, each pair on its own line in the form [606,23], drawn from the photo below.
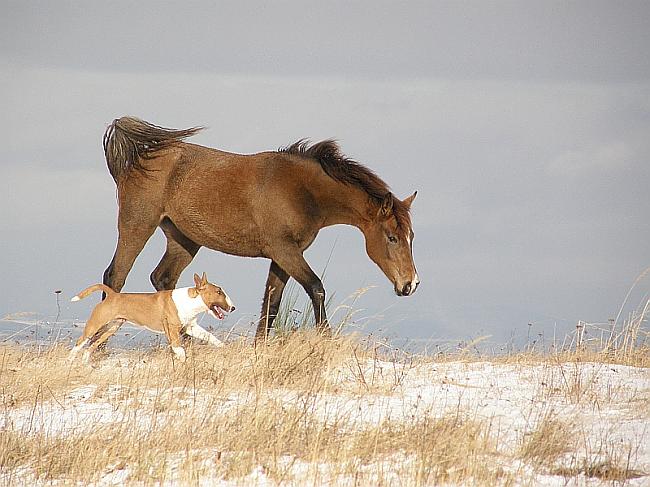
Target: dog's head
[215,298]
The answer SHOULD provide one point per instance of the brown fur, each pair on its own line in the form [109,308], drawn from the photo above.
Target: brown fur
[156,311]
[341,168]
[270,205]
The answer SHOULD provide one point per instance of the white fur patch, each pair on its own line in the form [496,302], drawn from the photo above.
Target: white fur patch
[180,353]
[228,300]
[76,298]
[196,331]
[415,282]
[75,350]
[186,306]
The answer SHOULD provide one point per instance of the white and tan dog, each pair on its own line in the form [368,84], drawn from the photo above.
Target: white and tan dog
[168,312]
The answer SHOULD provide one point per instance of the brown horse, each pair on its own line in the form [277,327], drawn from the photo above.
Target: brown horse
[270,204]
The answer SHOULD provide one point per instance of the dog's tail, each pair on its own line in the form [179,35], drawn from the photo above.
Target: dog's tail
[92,289]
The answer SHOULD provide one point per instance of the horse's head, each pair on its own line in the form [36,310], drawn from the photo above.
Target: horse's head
[389,242]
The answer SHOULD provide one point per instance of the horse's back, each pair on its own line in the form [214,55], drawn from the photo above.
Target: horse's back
[227,201]
[232,202]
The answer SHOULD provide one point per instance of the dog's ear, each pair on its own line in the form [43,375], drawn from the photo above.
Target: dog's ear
[197,281]
[204,279]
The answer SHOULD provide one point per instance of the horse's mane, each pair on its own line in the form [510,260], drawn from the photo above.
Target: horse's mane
[345,170]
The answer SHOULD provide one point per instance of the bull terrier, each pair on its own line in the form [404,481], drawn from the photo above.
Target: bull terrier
[168,312]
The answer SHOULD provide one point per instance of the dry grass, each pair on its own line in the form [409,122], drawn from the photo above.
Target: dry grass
[226,413]
[549,441]
[289,411]
[605,471]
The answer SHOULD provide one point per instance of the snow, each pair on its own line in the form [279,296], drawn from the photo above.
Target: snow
[605,402]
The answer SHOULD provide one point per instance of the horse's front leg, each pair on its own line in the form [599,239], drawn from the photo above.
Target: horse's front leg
[296,266]
[275,283]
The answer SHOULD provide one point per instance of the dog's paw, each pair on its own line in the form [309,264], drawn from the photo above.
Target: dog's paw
[180,353]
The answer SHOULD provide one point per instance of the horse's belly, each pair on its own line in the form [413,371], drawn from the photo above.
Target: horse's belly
[234,248]
[243,242]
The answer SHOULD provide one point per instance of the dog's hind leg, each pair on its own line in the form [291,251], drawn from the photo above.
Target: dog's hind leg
[98,318]
[105,333]
[78,346]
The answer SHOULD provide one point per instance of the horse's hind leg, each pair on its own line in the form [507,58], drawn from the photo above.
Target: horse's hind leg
[275,283]
[178,255]
[137,220]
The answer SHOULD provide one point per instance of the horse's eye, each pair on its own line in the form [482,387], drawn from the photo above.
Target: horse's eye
[392,239]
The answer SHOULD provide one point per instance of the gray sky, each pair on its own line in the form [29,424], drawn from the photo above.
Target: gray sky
[524,126]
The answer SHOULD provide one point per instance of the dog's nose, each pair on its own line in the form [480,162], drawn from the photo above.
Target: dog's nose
[232,308]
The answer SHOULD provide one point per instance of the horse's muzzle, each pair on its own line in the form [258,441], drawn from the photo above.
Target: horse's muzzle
[408,288]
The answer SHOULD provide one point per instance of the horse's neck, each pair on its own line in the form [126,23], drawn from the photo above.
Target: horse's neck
[346,205]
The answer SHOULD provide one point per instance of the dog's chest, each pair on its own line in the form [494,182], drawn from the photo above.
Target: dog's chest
[186,306]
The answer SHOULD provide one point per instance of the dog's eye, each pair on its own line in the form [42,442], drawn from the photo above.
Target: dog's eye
[392,239]
[219,292]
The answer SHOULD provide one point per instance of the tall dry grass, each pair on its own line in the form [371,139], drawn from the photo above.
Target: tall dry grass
[240,412]
[232,413]
[224,414]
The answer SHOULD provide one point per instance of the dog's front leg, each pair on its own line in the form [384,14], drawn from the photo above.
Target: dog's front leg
[196,331]
[173,332]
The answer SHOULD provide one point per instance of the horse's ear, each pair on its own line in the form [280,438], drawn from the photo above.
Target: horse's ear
[386,208]
[204,279]
[197,281]
[409,201]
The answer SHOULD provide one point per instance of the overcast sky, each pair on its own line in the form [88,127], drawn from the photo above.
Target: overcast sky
[524,126]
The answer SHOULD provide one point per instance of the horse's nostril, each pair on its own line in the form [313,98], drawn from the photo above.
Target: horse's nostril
[406,289]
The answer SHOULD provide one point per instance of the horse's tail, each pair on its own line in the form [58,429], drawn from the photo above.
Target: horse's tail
[92,289]
[128,140]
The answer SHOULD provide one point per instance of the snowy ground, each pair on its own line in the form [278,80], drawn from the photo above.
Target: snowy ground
[604,405]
